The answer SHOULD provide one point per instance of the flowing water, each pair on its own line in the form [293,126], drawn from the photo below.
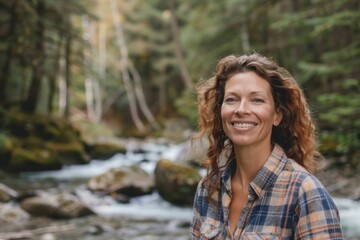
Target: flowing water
[146,217]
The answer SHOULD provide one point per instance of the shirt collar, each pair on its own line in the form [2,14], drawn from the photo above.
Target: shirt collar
[269,171]
[267,174]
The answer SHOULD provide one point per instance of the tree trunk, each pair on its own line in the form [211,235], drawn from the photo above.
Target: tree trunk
[53,76]
[35,86]
[62,88]
[4,73]
[88,63]
[67,72]
[92,86]
[162,96]
[101,71]
[245,42]
[140,96]
[178,50]
[123,64]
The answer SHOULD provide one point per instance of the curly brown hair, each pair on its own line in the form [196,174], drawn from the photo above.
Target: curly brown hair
[295,133]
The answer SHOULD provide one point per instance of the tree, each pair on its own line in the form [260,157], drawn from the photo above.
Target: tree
[5,70]
[29,105]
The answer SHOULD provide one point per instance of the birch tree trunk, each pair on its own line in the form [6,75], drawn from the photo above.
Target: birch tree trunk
[62,88]
[67,73]
[140,96]
[101,70]
[92,85]
[88,63]
[178,50]
[123,64]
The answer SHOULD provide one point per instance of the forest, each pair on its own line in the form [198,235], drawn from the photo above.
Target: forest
[135,64]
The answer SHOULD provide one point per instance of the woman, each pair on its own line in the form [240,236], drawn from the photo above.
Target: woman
[261,158]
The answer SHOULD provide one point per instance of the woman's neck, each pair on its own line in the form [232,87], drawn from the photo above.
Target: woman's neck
[249,161]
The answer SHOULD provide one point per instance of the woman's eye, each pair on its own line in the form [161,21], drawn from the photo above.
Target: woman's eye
[258,100]
[230,100]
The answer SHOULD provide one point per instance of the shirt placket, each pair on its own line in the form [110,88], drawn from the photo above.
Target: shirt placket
[244,216]
[226,234]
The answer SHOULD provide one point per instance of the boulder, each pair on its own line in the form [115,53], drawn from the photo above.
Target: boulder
[130,181]
[70,153]
[10,213]
[105,149]
[34,159]
[6,146]
[63,205]
[6,193]
[176,182]
[38,142]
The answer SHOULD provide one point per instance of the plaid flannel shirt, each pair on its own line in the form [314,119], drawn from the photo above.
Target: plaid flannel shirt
[285,202]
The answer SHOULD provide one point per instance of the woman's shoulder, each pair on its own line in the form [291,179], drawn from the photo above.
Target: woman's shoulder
[305,180]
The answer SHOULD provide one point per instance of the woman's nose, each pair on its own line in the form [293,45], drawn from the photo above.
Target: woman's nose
[242,108]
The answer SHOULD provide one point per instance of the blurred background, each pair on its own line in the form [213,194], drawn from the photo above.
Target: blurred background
[93,93]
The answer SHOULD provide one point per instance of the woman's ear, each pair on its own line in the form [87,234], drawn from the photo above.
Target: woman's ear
[278,117]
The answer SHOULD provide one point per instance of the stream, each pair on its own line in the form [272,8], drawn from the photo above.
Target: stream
[145,217]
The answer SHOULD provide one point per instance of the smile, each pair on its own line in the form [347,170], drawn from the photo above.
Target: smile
[244,125]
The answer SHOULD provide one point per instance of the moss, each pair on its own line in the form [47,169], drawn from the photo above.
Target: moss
[36,159]
[179,169]
[170,175]
[6,146]
[105,150]
[70,153]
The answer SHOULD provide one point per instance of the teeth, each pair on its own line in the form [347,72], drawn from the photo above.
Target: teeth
[244,125]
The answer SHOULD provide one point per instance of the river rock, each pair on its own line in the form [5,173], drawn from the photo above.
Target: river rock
[105,149]
[6,193]
[33,159]
[38,142]
[176,182]
[63,205]
[10,213]
[70,152]
[130,181]
[6,145]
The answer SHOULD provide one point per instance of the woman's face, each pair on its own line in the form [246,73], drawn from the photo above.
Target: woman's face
[248,111]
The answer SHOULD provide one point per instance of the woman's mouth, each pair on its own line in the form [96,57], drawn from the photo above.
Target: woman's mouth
[243,125]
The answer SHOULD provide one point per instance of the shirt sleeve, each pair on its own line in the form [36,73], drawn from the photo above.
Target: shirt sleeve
[318,216]
[195,225]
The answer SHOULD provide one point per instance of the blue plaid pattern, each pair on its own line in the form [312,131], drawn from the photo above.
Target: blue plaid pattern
[285,202]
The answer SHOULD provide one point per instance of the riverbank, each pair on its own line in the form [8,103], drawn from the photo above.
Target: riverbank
[340,183]
[145,217]
[97,228]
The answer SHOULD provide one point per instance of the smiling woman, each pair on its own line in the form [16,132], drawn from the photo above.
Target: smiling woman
[248,111]
[257,119]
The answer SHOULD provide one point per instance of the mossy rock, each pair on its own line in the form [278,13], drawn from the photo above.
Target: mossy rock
[105,150]
[70,153]
[6,146]
[129,181]
[45,127]
[176,182]
[36,159]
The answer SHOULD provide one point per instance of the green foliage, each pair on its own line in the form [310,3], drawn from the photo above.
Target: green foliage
[5,144]
[342,146]
[187,106]
[317,41]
